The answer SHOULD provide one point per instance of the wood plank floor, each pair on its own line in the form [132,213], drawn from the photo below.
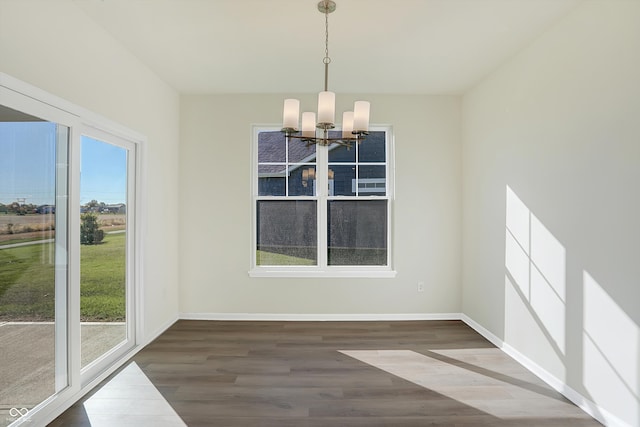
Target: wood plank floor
[418,373]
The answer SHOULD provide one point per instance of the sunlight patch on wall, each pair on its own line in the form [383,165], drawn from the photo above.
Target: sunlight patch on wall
[611,353]
[536,268]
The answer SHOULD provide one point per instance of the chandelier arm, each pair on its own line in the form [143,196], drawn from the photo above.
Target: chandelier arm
[315,138]
[356,136]
[325,140]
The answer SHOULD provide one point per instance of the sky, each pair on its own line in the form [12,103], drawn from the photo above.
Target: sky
[103,174]
[27,166]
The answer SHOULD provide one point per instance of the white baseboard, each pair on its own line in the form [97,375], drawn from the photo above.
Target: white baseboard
[320,317]
[600,414]
[159,331]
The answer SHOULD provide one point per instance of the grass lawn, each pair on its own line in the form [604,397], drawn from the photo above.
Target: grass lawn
[270,258]
[27,281]
[5,241]
[337,256]
[102,279]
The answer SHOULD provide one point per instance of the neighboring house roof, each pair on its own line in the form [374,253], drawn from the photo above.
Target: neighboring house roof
[271,149]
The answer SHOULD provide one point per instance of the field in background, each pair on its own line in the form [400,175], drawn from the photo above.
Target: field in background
[25,228]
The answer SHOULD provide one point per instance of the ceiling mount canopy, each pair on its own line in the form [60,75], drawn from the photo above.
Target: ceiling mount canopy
[327,6]
[355,124]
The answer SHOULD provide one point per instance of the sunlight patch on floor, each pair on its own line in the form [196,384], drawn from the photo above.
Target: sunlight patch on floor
[479,378]
[130,399]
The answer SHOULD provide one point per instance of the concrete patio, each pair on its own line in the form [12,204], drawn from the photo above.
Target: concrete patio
[27,374]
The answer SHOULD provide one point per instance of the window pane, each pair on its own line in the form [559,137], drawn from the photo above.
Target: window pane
[286,232]
[271,180]
[357,232]
[340,153]
[271,147]
[103,237]
[302,180]
[299,152]
[32,259]
[372,149]
[341,180]
[371,181]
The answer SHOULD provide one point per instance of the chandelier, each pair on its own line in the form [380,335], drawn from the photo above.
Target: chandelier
[355,124]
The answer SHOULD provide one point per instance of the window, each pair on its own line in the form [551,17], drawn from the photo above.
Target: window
[321,211]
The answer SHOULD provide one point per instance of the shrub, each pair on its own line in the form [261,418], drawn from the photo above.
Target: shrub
[90,233]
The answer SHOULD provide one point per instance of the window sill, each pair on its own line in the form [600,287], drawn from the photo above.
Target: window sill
[330,273]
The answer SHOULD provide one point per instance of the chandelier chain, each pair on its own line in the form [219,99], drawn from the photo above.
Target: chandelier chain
[326,59]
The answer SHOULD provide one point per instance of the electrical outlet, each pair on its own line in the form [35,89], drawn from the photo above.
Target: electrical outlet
[420,287]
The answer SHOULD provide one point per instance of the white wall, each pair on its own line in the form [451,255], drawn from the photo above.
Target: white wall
[215,226]
[54,46]
[551,167]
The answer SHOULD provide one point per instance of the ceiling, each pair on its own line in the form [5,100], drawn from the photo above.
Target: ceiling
[277,46]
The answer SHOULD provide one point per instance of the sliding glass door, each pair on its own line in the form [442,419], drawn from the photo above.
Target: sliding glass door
[33,261]
[68,250]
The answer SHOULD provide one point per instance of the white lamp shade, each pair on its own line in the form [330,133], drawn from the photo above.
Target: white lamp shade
[347,124]
[326,107]
[308,124]
[291,114]
[361,116]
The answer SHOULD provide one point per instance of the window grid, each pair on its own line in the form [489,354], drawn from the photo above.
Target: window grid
[323,197]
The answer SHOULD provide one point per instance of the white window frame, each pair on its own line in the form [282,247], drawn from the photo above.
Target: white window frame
[322,198]
[92,370]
